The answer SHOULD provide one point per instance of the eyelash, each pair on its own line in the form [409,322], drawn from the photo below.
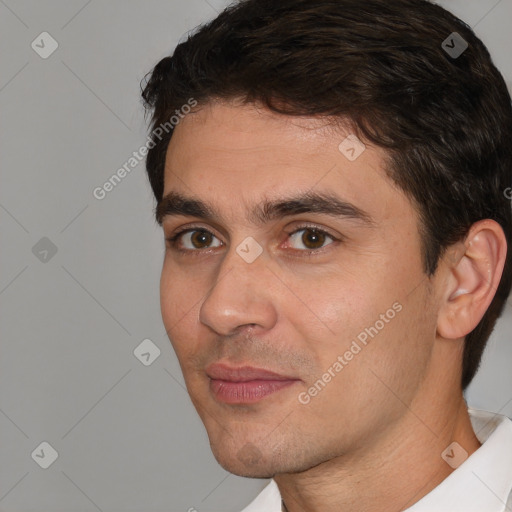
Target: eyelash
[173,239]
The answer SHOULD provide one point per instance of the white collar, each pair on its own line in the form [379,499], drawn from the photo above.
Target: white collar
[482,483]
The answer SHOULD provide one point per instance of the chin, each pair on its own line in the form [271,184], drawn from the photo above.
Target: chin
[246,463]
[250,462]
[252,473]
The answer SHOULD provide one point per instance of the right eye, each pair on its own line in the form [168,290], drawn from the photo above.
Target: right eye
[191,239]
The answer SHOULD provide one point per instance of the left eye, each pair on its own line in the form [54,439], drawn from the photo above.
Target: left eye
[311,238]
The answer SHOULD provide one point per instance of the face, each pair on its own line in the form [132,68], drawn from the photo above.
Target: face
[292,321]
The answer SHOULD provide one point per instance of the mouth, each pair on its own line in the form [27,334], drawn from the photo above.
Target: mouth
[245,384]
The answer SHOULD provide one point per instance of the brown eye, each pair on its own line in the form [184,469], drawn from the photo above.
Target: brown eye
[200,239]
[194,240]
[311,238]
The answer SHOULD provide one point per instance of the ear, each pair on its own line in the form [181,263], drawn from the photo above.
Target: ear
[473,278]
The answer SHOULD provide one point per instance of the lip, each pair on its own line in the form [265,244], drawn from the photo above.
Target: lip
[221,371]
[245,384]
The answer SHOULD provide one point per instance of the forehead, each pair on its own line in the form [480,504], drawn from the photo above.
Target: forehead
[235,127]
[236,154]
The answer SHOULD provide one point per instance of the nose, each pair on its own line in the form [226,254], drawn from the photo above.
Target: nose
[240,296]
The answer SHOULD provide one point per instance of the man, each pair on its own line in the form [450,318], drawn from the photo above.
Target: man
[332,194]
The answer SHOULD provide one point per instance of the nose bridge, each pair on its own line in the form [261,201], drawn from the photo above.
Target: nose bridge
[239,295]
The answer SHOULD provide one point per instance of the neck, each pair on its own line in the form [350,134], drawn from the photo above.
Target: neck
[391,475]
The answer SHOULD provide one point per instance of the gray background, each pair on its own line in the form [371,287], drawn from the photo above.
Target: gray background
[126,434]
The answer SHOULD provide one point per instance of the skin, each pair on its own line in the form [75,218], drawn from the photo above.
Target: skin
[372,439]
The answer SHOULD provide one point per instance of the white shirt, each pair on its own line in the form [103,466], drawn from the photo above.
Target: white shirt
[482,483]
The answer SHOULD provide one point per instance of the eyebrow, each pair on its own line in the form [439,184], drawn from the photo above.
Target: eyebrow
[176,204]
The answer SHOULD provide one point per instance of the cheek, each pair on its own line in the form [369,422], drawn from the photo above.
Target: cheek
[168,297]
[372,315]
[177,300]
[331,310]
[396,354]
[180,290]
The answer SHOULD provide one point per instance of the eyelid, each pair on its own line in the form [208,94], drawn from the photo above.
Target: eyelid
[315,227]
[175,235]
[318,229]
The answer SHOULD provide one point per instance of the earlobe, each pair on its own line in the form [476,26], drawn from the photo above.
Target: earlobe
[473,279]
